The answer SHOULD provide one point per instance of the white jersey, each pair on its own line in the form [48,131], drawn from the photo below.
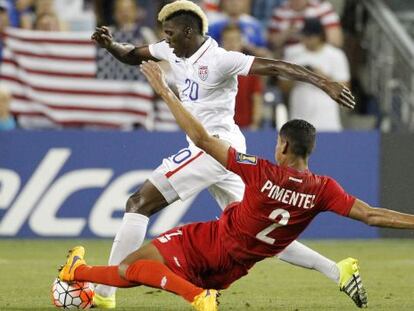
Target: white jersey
[207,85]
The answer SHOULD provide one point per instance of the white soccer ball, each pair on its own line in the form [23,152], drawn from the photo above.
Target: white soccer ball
[73,295]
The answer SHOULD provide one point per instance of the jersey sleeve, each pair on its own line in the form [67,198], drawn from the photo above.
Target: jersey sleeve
[160,50]
[235,63]
[246,166]
[336,200]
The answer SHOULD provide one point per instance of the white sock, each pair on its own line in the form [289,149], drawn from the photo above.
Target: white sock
[300,255]
[129,238]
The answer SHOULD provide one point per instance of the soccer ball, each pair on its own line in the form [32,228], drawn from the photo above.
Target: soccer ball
[73,295]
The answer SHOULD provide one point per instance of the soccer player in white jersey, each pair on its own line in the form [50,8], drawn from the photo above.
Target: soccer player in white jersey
[206,78]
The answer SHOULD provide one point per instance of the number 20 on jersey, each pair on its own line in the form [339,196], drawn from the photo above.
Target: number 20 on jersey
[191,89]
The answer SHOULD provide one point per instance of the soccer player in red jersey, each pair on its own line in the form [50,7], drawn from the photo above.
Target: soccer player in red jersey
[196,260]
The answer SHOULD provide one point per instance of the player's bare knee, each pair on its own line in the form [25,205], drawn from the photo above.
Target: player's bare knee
[134,203]
[141,204]
[146,201]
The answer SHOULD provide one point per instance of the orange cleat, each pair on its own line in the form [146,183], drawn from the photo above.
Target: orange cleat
[74,260]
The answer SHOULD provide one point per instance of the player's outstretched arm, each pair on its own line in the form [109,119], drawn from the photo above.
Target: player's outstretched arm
[380,217]
[124,52]
[215,147]
[271,67]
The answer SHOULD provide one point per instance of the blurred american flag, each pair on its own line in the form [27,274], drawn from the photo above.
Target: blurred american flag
[52,77]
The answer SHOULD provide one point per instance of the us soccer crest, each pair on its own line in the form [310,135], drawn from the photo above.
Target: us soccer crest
[203,72]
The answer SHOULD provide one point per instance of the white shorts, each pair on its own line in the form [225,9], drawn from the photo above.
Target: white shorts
[190,171]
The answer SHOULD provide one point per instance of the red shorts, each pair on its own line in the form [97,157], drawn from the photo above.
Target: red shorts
[195,253]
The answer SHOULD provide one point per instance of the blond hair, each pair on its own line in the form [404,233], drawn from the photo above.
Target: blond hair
[184,5]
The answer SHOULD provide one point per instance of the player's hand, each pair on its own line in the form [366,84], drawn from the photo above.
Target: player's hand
[155,76]
[340,93]
[102,36]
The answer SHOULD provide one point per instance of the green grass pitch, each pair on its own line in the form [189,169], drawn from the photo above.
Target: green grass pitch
[28,267]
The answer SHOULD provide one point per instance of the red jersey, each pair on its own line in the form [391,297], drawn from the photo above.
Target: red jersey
[248,86]
[279,203]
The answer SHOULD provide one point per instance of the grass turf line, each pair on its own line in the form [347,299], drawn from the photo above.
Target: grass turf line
[28,267]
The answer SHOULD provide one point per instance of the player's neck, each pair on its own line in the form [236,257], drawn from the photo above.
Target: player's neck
[297,163]
[198,42]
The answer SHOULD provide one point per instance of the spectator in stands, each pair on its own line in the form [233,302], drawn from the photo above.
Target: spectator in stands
[46,16]
[47,22]
[126,15]
[237,12]
[70,13]
[75,15]
[262,9]
[26,11]
[4,22]
[212,9]
[209,5]
[8,6]
[287,22]
[44,6]
[305,101]
[127,28]
[4,17]
[6,119]
[147,11]
[249,99]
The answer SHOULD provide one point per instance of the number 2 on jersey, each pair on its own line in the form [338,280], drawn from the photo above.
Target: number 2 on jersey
[263,235]
[167,237]
[191,89]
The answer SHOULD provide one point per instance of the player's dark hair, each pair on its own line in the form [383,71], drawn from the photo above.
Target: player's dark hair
[187,19]
[300,135]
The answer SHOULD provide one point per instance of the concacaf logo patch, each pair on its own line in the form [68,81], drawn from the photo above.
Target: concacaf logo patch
[246,158]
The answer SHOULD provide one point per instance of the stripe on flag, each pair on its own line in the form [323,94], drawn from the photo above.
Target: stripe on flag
[52,75]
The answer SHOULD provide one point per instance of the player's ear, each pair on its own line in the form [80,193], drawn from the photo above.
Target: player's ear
[188,31]
[285,146]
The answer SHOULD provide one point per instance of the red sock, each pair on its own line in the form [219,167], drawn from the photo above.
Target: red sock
[155,274]
[107,275]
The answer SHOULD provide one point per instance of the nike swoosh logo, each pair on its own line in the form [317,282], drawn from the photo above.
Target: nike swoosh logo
[177,61]
[75,259]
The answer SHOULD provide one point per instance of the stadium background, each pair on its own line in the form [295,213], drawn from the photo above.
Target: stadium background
[75,183]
